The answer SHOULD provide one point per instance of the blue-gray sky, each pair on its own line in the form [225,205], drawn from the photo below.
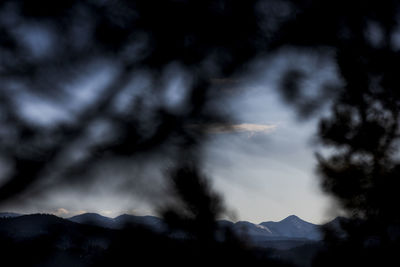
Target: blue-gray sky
[268,175]
[263,163]
[271,174]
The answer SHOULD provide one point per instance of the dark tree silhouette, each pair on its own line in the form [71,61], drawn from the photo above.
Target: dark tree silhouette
[363,126]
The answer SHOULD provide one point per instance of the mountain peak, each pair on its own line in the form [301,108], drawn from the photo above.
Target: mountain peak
[93,219]
[292,218]
[294,227]
[85,216]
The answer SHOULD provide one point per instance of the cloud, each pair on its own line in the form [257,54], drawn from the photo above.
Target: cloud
[234,128]
[61,212]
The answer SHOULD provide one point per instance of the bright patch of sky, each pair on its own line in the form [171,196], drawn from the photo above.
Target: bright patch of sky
[270,175]
[267,175]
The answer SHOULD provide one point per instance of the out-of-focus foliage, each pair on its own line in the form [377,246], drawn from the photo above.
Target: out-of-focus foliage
[361,168]
[67,67]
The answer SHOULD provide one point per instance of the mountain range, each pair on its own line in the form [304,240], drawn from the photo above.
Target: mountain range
[67,239]
[154,223]
[291,228]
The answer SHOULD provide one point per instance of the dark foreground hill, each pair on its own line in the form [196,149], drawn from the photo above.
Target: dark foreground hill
[95,240]
[47,240]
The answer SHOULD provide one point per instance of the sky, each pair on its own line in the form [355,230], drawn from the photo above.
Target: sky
[268,175]
[262,162]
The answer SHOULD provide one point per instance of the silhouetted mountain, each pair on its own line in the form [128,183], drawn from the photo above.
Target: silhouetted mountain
[154,223]
[35,225]
[335,226]
[294,227]
[252,231]
[93,219]
[9,214]
[151,222]
[47,240]
[78,240]
[290,228]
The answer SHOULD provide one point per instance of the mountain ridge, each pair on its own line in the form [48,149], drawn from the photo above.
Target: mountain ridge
[294,227]
[291,227]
